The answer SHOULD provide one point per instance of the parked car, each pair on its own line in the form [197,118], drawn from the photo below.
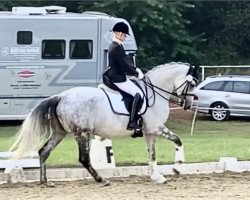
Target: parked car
[223,96]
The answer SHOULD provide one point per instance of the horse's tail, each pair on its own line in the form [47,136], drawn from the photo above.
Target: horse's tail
[35,128]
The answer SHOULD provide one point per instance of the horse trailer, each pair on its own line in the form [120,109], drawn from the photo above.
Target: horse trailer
[46,50]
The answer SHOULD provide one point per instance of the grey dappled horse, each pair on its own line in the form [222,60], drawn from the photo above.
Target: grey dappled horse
[85,111]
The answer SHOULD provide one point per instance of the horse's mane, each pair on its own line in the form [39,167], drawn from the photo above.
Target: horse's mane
[167,65]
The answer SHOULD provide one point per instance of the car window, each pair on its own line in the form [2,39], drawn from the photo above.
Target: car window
[217,85]
[241,87]
[228,87]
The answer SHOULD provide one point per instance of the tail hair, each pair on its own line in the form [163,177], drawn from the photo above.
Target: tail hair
[35,128]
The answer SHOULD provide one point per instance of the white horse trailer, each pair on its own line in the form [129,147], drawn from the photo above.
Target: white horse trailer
[45,50]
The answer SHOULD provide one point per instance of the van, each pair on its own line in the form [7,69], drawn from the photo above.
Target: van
[46,50]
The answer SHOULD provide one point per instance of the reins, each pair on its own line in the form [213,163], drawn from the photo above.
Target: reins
[149,84]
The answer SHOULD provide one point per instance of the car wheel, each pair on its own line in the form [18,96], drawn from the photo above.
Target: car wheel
[218,114]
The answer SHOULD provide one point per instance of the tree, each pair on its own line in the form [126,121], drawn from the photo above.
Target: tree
[159,28]
[226,25]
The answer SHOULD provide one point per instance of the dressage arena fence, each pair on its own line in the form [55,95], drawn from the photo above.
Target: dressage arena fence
[70,174]
[101,155]
[5,162]
[222,69]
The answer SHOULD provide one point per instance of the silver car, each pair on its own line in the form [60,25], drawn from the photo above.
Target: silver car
[223,96]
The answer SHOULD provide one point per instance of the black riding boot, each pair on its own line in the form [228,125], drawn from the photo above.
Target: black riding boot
[134,120]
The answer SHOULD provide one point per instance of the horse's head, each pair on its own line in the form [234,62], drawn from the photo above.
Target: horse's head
[184,85]
[174,78]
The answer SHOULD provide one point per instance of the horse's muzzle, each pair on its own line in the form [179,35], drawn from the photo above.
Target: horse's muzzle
[185,104]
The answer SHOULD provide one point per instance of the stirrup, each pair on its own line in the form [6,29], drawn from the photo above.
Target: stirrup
[138,129]
[132,125]
[135,124]
[137,133]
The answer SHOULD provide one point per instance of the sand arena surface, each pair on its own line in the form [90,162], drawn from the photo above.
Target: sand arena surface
[228,186]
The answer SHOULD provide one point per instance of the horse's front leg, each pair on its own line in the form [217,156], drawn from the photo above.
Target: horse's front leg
[155,177]
[179,150]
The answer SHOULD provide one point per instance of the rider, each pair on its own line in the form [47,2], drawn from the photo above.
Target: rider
[119,68]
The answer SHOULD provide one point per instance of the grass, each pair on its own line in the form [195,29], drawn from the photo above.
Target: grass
[209,142]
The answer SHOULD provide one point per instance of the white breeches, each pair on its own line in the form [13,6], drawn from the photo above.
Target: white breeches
[129,87]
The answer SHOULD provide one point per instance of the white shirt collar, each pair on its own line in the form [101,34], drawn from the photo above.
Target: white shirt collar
[116,40]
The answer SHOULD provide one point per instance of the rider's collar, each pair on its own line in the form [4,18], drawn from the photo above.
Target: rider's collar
[116,40]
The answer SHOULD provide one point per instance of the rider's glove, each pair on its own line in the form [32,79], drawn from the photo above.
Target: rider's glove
[140,74]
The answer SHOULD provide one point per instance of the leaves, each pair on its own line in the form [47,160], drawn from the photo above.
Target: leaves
[226,25]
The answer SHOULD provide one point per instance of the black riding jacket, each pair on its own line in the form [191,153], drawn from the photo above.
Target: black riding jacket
[119,67]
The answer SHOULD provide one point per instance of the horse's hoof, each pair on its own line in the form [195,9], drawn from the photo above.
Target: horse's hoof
[106,183]
[49,185]
[159,179]
[176,172]
[177,168]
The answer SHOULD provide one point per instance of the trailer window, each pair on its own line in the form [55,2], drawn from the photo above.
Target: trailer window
[81,49]
[24,37]
[53,49]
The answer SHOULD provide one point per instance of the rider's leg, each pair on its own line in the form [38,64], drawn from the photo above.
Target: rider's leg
[129,87]
[132,89]
[134,113]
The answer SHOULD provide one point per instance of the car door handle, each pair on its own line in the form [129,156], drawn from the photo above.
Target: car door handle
[227,95]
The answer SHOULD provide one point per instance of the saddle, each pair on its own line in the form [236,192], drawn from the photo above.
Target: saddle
[116,96]
[111,90]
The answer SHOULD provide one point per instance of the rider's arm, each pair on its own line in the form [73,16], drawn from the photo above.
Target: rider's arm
[125,67]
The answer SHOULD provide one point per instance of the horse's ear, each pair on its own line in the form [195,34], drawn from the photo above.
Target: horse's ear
[196,72]
[196,67]
[190,70]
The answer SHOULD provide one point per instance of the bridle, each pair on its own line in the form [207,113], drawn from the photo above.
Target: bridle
[154,88]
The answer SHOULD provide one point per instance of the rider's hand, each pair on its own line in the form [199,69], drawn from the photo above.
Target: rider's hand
[140,74]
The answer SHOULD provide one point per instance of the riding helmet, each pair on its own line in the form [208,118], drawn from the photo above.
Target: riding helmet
[121,27]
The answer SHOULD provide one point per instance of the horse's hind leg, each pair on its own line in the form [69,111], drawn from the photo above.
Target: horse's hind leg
[84,158]
[44,153]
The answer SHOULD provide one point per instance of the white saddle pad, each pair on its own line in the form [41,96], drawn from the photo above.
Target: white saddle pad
[117,102]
